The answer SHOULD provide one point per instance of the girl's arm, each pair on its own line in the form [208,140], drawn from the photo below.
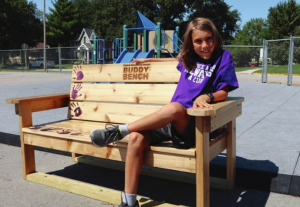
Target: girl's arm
[203,100]
[144,60]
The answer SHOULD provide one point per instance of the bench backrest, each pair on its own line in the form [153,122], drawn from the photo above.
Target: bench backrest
[97,90]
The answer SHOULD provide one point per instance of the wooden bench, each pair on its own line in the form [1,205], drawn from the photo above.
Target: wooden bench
[92,105]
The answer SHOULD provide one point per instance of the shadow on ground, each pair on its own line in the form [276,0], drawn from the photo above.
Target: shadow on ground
[177,193]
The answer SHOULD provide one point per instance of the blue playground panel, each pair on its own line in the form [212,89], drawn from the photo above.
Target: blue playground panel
[127,57]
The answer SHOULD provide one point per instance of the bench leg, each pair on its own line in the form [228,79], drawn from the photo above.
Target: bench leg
[25,120]
[74,156]
[202,162]
[231,154]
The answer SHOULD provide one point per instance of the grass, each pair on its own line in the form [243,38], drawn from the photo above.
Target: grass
[282,69]
[239,69]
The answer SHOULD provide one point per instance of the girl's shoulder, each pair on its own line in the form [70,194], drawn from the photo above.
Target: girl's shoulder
[226,55]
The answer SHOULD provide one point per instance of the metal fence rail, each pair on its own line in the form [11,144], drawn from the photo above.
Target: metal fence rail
[282,53]
[20,59]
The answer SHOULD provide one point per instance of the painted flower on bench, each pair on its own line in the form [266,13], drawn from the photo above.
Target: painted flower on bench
[75,109]
[78,72]
[75,90]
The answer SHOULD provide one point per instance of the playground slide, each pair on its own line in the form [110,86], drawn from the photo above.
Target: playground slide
[127,57]
[146,54]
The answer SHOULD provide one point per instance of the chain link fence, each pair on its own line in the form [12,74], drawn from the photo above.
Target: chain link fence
[274,57]
[245,56]
[281,57]
[63,57]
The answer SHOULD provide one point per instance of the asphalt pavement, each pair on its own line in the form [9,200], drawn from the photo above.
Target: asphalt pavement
[268,146]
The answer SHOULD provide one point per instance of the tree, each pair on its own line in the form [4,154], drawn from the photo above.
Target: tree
[253,32]
[284,20]
[61,24]
[18,24]
[219,13]
[85,12]
[109,20]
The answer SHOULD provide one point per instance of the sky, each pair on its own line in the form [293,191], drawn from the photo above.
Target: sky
[248,8]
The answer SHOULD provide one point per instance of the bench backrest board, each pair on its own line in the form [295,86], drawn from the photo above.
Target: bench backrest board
[97,90]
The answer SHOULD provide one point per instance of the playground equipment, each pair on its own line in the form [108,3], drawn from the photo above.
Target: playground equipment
[148,40]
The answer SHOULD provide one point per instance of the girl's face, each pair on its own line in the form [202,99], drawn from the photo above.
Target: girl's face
[203,43]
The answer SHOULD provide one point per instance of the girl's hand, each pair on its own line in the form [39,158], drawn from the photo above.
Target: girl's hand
[202,102]
[140,60]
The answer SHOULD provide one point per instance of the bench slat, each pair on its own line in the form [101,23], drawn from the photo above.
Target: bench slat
[159,72]
[123,93]
[109,112]
[185,163]
[88,190]
[80,131]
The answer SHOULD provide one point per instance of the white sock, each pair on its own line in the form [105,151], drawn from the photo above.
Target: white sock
[129,199]
[124,130]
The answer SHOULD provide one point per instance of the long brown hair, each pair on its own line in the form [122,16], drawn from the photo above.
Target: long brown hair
[188,56]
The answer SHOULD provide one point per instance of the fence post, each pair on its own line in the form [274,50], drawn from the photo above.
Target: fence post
[59,58]
[265,62]
[291,58]
[21,59]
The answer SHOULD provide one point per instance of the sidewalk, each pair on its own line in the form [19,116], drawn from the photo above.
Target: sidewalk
[268,147]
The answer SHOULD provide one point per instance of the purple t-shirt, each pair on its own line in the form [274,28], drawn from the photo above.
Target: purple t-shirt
[208,77]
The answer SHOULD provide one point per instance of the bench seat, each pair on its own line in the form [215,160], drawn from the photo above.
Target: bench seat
[73,136]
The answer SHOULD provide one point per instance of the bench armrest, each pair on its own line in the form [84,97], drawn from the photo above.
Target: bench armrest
[42,103]
[217,108]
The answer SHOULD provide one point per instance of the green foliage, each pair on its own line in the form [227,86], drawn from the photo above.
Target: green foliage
[219,12]
[279,52]
[61,24]
[109,16]
[253,32]
[284,20]
[18,24]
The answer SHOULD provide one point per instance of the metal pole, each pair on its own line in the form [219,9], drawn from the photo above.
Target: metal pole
[176,39]
[95,50]
[21,60]
[291,58]
[145,41]
[59,58]
[134,42]
[44,19]
[158,33]
[124,37]
[265,62]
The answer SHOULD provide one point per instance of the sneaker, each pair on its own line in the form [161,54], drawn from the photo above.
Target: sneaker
[103,137]
[126,205]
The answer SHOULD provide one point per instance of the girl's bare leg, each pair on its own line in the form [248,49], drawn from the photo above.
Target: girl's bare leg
[134,160]
[173,113]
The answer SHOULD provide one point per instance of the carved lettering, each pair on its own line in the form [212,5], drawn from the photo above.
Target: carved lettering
[134,72]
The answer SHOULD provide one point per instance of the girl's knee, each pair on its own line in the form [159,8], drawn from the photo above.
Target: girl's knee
[137,141]
[176,109]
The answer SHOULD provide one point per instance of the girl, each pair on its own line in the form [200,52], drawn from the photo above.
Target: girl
[207,75]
